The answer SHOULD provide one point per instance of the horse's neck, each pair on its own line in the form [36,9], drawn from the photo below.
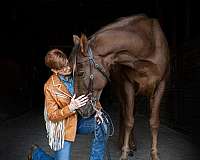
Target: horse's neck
[116,57]
[113,51]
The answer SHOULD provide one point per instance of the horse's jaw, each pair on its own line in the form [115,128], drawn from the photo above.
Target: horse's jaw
[86,111]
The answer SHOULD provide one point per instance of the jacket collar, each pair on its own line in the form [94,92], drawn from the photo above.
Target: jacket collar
[59,85]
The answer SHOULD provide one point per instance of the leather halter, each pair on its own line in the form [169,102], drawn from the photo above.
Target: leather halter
[93,65]
[97,66]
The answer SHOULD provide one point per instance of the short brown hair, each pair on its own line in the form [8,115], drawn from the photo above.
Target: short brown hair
[55,59]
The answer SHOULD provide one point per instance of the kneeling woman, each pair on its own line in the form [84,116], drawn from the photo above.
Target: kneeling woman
[61,116]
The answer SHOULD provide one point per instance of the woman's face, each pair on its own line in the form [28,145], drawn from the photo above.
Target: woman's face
[66,70]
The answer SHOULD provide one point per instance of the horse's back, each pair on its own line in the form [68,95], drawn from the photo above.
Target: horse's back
[133,33]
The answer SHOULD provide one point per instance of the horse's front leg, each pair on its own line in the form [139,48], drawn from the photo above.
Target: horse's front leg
[155,118]
[128,118]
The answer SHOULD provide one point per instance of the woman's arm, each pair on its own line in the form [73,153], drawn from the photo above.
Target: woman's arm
[53,111]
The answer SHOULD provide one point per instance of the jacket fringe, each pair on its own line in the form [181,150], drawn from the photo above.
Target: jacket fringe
[55,132]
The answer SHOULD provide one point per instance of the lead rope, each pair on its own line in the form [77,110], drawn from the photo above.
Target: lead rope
[108,121]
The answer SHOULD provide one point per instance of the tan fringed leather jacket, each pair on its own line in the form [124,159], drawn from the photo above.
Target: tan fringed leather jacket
[57,99]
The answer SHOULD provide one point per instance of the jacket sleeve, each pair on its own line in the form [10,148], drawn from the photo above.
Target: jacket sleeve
[54,112]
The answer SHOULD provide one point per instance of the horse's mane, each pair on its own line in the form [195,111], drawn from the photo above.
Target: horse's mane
[120,22]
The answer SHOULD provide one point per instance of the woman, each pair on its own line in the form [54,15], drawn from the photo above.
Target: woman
[60,114]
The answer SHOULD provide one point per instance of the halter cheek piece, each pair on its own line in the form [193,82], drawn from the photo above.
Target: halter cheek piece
[100,68]
[96,65]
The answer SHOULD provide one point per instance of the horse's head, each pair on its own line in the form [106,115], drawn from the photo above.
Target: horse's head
[90,74]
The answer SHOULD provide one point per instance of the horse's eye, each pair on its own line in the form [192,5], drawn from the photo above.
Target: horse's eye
[80,73]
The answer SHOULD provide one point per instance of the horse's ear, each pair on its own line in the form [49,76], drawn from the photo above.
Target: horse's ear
[76,40]
[83,44]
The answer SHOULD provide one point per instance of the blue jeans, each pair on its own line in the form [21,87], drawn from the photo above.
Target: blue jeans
[98,146]
[63,154]
[84,126]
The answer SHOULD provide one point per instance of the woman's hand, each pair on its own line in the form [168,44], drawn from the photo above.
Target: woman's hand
[78,102]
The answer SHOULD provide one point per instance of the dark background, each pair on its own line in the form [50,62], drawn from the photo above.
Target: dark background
[30,28]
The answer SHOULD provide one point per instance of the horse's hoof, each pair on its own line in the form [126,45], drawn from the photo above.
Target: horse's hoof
[154,157]
[124,156]
[131,153]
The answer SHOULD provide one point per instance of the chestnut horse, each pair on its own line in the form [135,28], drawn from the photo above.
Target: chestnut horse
[137,49]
